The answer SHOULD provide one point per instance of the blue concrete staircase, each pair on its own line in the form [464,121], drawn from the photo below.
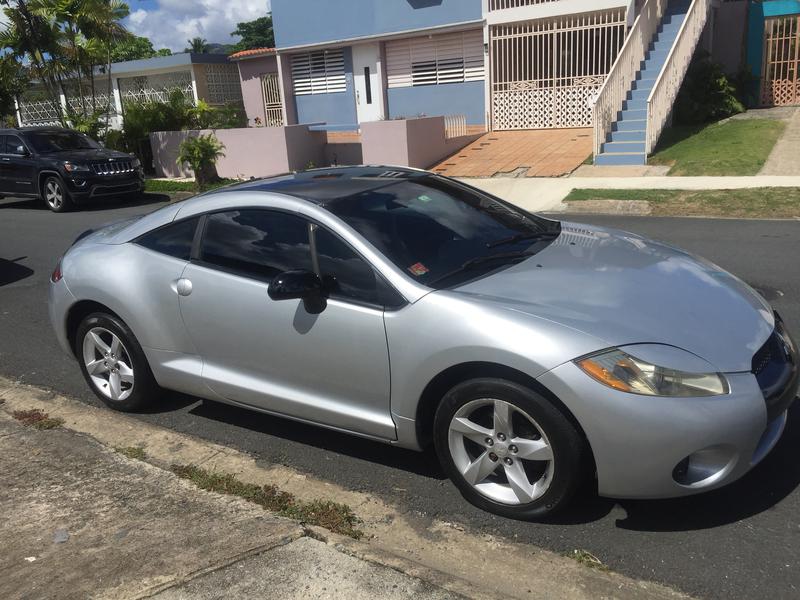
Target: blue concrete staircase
[626,143]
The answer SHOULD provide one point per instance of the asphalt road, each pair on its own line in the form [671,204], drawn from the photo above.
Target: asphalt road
[741,542]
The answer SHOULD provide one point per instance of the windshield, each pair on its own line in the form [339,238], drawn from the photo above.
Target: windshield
[441,233]
[57,141]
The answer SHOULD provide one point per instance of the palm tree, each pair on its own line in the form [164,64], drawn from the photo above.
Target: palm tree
[198,46]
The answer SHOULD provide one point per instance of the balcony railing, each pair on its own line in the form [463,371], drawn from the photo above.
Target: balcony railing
[506,4]
[665,90]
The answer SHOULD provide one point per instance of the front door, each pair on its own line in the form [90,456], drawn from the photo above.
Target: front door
[367,78]
[330,368]
[19,168]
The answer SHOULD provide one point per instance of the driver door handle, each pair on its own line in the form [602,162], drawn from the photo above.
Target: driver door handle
[183,287]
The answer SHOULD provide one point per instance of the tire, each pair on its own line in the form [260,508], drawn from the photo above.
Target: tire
[118,373]
[55,195]
[486,464]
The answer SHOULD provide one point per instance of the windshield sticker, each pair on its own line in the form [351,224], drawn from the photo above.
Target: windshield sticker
[418,269]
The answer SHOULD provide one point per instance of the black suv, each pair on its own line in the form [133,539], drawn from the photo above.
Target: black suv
[64,167]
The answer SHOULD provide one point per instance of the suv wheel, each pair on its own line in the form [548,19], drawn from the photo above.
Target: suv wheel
[508,449]
[113,364]
[55,195]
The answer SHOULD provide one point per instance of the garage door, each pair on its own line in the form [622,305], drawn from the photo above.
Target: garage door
[546,73]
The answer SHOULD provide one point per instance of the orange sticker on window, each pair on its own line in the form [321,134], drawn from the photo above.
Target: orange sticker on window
[418,269]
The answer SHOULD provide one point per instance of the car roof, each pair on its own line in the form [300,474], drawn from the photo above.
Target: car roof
[33,130]
[324,186]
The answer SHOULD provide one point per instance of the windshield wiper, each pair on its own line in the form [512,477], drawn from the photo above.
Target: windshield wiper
[480,260]
[521,237]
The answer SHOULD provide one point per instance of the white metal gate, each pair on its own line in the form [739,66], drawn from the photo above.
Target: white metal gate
[273,107]
[546,73]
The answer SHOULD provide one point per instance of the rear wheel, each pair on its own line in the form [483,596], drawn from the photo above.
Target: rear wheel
[55,195]
[508,449]
[113,363]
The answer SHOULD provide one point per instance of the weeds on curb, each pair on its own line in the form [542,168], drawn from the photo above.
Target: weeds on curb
[333,516]
[37,419]
[587,559]
[132,452]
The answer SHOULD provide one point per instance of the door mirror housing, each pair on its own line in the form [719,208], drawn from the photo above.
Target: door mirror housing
[21,151]
[295,285]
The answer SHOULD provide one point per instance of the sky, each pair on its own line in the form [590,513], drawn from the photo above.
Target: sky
[170,23]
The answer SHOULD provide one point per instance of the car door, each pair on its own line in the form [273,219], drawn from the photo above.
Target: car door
[19,167]
[330,368]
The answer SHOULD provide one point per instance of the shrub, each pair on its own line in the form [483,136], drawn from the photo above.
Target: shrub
[201,154]
[706,94]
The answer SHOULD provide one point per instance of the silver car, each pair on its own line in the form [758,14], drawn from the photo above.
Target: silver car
[411,309]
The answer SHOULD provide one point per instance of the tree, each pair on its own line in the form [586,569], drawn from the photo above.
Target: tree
[255,34]
[197,46]
[13,81]
[201,154]
[136,48]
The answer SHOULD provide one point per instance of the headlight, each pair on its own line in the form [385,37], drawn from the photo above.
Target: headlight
[71,167]
[621,371]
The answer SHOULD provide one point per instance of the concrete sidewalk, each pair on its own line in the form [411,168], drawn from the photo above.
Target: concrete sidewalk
[81,521]
[547,194]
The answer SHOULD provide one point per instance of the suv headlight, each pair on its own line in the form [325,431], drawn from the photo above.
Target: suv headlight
[71,167]
[626,373]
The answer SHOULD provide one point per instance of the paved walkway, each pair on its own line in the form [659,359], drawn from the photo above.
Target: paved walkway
[547,194]
[533,153]
[785,156]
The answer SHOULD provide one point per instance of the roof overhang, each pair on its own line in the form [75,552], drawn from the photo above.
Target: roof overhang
[254,53]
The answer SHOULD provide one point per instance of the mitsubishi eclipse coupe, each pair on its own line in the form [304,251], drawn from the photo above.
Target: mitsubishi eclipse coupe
[408,308]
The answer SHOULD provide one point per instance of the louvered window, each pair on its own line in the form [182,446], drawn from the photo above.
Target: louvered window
[438,59]
[318,72]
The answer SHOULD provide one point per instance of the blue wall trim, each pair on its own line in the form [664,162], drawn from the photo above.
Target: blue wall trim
[302,22]
[435,100]
[336,109]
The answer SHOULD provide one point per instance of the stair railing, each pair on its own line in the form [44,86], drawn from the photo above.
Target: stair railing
[668,83]
[623,72]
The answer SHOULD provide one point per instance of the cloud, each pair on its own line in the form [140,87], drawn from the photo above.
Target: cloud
[170,23]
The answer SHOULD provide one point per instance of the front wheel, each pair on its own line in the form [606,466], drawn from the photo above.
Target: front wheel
[113,363]
[55,195]
[508,449]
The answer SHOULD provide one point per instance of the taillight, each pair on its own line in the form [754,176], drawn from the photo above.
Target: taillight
[56,276]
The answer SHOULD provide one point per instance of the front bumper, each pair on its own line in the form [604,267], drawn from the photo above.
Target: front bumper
[84,188]
[640,444]
[59,300]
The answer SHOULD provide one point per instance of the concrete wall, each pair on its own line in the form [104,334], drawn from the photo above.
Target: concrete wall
[251,152]
[250,72]
[418,143]
[450,99]
[302,22]
[336,109]
[728,43]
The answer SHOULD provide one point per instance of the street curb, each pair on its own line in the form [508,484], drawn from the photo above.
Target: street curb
[444,554]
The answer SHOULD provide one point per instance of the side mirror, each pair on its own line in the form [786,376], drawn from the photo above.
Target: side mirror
[295,285]
[22,151]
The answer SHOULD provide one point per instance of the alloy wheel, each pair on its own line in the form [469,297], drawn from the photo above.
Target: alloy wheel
[108,364]
[53,194]
[501,451]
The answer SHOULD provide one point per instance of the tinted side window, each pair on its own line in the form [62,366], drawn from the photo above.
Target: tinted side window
[12,144]
[173,240]
[345,273]
[256,243]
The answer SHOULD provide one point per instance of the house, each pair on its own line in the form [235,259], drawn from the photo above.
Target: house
[773,50]
[209,77]
[261,90]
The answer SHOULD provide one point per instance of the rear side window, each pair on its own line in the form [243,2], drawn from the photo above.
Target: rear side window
[172,240]
[256,243]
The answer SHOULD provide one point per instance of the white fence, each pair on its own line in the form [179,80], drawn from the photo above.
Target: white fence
[623,72]
[504,4]
[665,90]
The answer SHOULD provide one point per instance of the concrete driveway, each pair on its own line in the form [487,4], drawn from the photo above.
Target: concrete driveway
[737,543]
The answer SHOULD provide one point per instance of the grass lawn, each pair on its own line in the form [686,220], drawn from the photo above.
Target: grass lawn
[765,203]
[166,185]
[738,147]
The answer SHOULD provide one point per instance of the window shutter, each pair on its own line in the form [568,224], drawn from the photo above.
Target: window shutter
[319,72]
[435,60]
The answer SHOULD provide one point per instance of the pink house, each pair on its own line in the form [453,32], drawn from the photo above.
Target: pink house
[261,89]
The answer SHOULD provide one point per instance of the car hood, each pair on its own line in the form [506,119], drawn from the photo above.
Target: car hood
[625,289]
[89,155]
